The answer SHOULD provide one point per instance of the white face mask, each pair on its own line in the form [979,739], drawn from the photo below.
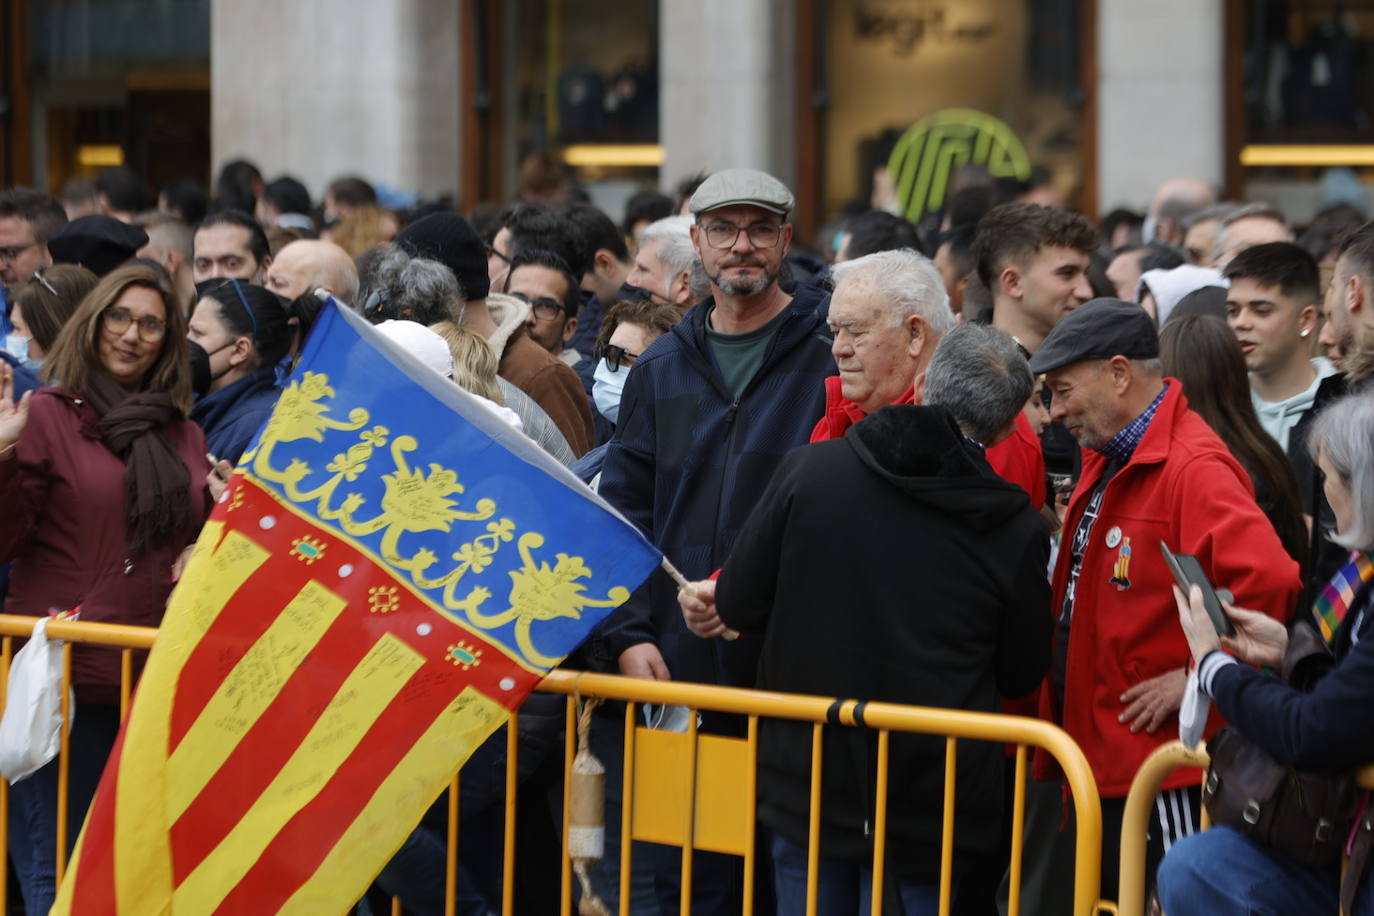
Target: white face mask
[19,349]
[607,386]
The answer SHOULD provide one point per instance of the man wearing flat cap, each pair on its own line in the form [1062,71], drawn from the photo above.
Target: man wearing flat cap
[1153,471]
[708,412]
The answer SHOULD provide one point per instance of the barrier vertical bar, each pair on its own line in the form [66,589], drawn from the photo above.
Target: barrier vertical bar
[1018,829]
[451,850]
[564,858]
[126,682]
[6,651]
[512,786]
[880,820]
[947,831]
[627,793]
[64,761]
[813,828]
[751,793]
[396,907]
[685,897]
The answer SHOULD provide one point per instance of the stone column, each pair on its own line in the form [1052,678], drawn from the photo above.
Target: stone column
[323,88]
[1160,96]
[727,93]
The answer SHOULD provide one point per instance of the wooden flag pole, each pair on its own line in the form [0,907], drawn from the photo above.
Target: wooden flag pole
[683,585]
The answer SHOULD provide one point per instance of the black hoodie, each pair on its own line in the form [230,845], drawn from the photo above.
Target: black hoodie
[892,565]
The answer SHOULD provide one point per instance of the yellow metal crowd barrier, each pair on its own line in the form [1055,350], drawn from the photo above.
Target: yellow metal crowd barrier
[702,786]
[1140,800]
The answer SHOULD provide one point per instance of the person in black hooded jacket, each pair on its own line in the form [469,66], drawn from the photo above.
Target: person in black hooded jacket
[893,565]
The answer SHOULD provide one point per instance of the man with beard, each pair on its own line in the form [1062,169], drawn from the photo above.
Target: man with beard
[707,414]
[1347,337]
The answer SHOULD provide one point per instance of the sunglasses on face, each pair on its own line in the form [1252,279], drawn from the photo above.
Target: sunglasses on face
[617,356]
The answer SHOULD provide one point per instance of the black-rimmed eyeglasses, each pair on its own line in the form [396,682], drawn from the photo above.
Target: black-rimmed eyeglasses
[544,308]
[616,356]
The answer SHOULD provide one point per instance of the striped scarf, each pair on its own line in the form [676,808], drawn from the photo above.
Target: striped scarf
[1340,593]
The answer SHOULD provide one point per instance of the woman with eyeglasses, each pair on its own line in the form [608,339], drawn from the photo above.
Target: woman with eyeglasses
[102,485]
[238,333]
[42,305]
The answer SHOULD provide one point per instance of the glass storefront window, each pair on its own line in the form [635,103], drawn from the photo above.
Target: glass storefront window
[120,82]
[1307,94]
[946,84]
[582,83]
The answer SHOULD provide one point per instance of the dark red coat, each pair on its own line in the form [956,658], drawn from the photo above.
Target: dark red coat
[62,501]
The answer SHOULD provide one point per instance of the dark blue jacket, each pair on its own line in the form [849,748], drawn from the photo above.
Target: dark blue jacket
[232,416]
[687,464]
[1327,729]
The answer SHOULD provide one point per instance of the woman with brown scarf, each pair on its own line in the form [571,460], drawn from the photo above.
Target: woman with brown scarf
[102,484]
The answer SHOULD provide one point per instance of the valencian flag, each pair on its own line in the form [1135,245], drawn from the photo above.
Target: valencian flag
[390,572]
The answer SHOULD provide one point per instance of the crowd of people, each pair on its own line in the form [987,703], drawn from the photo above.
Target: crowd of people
[920,463]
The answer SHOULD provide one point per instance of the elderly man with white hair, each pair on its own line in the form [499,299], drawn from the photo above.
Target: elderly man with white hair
[887,314]
[665,261]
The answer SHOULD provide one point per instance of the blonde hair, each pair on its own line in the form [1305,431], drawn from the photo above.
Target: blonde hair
[474,362]
[362,228]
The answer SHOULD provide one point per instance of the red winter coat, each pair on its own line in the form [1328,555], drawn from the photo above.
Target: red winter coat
[842,413]
[1183,487]
[1020,460]
[62,501]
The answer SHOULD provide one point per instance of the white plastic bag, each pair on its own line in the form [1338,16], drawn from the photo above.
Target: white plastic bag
[31,728]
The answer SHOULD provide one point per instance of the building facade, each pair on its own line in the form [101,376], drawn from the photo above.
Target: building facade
[850,101]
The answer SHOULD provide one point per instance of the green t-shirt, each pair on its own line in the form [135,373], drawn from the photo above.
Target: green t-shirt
[740,355]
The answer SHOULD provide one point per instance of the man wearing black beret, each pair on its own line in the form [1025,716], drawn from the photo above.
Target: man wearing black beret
[1153,471]
[97,242]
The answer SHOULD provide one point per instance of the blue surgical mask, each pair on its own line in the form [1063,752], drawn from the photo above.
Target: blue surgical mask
[19,349]
[607,386]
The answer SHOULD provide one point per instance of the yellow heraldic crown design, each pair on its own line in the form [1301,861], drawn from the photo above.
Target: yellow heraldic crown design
[539,593]
[416,501]
[300,415]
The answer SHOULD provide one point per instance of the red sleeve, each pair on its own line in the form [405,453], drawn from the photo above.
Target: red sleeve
[1221,525]
[1019,460]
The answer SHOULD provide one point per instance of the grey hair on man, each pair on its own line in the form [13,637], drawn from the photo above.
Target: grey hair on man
[1344,435]
[979,375]
[673,237]
[1257,210]
[406,288]
[909,281]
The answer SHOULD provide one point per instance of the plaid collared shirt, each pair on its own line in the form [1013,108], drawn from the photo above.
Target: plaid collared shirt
[1123,445]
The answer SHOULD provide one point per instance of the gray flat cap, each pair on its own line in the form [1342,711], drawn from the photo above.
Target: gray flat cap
[1099,329]
[735,187]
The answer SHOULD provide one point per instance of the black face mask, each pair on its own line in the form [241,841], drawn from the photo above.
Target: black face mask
[201,376]
[200,368]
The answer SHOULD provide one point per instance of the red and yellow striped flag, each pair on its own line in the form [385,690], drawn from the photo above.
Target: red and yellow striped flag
[337,646]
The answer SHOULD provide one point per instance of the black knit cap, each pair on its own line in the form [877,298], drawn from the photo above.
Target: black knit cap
[450,240]
[97,242]
[1099,329]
